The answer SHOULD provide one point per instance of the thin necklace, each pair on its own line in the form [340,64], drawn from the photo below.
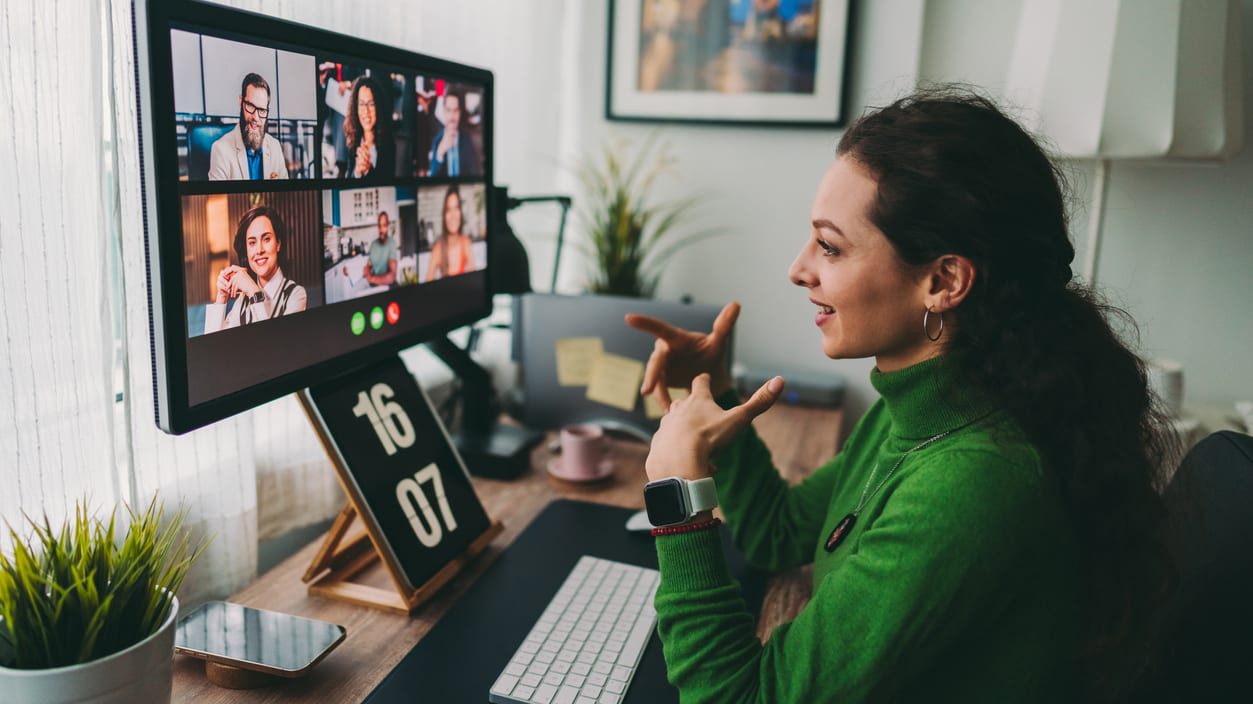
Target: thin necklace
[845,526]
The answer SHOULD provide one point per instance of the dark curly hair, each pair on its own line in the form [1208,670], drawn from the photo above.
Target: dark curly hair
[353,131]
[957,176]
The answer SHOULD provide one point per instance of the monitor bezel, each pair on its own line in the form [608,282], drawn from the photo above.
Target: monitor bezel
[161,200]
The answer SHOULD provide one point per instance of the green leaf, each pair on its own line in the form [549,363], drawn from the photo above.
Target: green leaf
[629,235]
[77,593]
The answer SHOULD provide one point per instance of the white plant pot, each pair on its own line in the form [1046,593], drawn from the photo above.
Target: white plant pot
[142,673]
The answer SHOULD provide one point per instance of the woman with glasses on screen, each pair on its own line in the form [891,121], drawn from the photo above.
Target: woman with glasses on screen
[452,253]
[990,529]
[368,130]
[260,291]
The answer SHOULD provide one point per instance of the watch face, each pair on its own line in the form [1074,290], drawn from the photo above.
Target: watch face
[663,499]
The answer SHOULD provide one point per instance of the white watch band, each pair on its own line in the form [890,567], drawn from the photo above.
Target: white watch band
[702,494]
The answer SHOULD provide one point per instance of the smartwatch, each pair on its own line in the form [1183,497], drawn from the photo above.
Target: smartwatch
[673,500]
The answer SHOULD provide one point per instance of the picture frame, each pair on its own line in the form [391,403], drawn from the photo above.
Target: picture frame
[728,62]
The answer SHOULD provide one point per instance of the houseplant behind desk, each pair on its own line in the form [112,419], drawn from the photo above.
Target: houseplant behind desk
[631,236]
[86,618]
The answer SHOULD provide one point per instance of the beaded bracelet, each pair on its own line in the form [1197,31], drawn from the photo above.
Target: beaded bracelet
[687,527]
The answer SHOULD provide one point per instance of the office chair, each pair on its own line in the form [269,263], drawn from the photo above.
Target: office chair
[200,141]
[1207,646]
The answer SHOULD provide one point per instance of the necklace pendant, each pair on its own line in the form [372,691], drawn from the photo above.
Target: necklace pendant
[840,532]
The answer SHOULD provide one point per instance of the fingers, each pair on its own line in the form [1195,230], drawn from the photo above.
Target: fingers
[761,400]
[654,371]
[700,385]
[653,326]
[663,397]
[725,322]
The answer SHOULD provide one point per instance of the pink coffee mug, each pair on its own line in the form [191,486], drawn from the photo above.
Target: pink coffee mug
[584,448]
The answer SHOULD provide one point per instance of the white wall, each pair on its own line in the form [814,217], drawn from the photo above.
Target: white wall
[1177,249]
[1179,245]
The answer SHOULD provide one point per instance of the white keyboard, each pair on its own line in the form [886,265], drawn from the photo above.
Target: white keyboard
[586,645]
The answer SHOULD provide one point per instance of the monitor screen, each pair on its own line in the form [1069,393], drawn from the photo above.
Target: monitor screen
[313,202]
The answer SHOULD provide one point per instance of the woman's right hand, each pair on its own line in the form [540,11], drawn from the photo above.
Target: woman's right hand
[445,143]
[241,282]
[680,355]
[225,290]
[363,165]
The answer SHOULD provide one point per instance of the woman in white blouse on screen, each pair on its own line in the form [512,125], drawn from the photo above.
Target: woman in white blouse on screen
[260,291]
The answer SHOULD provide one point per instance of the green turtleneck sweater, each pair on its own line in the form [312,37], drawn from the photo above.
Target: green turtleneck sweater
[957,583]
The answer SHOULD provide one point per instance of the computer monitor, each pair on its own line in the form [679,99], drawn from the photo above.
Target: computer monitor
[313,202]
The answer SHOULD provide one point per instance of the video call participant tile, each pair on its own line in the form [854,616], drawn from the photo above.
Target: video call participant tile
[369,241]
[243,112]
[366,124]
[252,257]
[450,128]
[452,227]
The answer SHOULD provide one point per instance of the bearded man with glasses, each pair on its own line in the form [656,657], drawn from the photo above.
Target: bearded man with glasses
[249,153]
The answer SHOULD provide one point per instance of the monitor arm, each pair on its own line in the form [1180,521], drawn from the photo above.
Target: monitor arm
[479,407]
[490,449]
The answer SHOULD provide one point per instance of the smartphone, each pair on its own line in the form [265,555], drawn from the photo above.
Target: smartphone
[255,639]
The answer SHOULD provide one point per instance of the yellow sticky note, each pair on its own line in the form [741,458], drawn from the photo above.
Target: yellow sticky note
[615,381]
[652,407]
[575,357]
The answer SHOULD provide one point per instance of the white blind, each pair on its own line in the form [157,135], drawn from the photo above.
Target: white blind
[56,338]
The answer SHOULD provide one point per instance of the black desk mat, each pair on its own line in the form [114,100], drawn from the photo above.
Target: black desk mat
[460,658]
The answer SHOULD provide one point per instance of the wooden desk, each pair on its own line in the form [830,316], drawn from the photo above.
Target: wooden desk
[800,439]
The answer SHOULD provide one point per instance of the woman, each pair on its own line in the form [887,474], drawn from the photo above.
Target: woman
[451,254]
[259,292]
[989,531]
[368,130]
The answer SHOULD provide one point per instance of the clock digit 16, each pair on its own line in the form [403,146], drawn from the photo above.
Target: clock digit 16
[390,421]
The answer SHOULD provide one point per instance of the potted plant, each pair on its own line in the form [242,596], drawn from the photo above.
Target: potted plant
[87,617]
[632,235]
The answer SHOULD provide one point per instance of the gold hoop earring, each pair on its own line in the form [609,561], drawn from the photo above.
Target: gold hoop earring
[926,329]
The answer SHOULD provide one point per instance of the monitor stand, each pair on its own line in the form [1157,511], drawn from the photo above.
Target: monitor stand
[489,448]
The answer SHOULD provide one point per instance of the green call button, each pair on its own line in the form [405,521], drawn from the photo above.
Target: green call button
[358,323]
[376,317]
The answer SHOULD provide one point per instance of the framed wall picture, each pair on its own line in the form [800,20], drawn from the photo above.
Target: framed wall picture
[751,62]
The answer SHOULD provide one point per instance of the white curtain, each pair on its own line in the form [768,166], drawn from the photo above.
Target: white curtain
[56,336]
[76,395]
